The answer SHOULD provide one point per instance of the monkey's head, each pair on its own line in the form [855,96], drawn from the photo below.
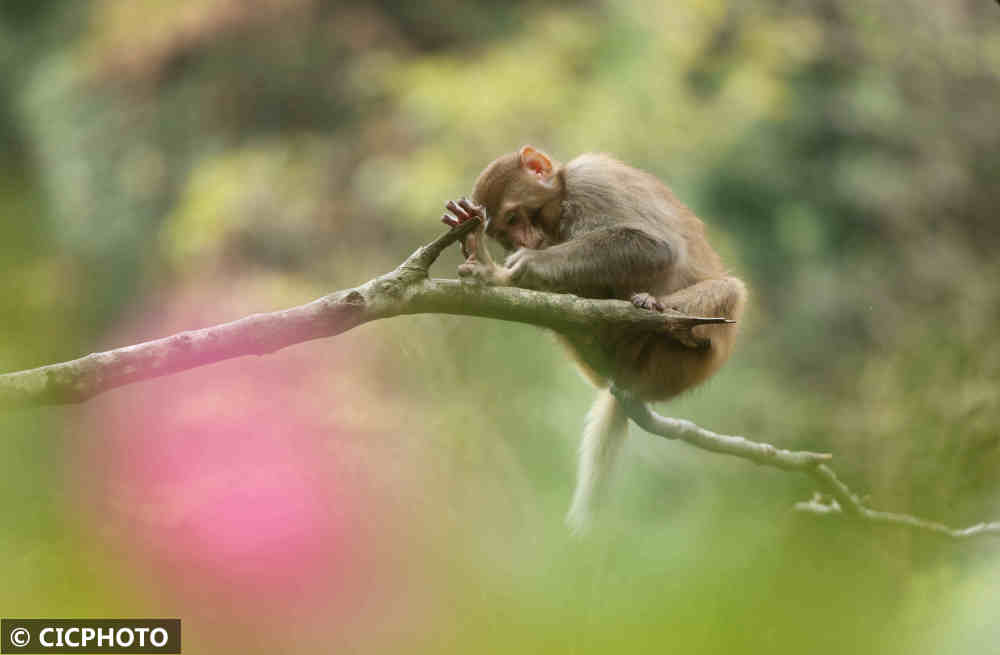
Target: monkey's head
[521,192]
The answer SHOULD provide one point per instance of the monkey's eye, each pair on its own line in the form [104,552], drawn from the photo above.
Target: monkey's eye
[511,218]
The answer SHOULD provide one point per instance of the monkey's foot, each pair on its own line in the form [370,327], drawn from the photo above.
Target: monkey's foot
[647,301]
[491,274]
[462,209]
[685,336]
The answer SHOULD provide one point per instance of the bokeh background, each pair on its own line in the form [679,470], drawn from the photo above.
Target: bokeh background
[171,164]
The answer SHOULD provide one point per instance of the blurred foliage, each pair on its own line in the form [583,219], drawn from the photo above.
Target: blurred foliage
[172,164]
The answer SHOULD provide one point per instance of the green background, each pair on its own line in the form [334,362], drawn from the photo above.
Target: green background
[171,164]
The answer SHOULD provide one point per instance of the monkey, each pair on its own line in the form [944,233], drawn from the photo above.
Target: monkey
[598,228]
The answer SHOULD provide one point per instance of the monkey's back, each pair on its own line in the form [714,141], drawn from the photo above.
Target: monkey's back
[603,191]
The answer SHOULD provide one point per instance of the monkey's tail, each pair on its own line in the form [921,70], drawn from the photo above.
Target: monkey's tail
[603,435]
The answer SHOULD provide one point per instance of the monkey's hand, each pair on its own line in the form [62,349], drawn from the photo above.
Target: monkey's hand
[463,209]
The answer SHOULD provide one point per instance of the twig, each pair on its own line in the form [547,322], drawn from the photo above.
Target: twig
[841,502]
[831,508]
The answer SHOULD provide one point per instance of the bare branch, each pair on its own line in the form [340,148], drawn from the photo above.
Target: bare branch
[818,506]
[422,259]
[832,508]
[842,501]
[674,428]
[406,290]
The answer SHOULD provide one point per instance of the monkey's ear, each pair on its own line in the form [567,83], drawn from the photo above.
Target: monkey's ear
[535,161]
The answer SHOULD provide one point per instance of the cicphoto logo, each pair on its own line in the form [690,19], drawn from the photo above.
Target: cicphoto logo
[90,636]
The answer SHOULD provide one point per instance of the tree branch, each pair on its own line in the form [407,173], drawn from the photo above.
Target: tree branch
[405,290]
[409,290]
[839,499]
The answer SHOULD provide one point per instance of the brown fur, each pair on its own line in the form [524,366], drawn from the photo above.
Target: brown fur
[608,230]
[600,229]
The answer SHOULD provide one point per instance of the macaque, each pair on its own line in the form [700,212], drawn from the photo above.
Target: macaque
[598,228]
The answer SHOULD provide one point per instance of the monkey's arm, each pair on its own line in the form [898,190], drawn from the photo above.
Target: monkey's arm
[609,262]
[479,263]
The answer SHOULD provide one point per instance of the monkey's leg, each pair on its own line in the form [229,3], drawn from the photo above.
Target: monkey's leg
[658,367]
[723,297]
[479,264]
[603,263]
[652,367]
